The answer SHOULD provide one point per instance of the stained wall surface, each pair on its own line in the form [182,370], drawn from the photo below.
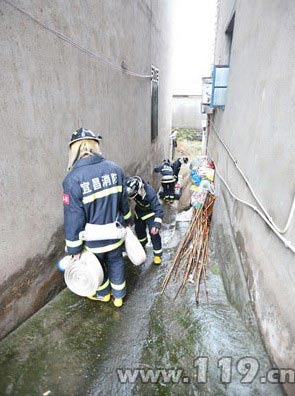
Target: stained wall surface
[52,84]
[257,126]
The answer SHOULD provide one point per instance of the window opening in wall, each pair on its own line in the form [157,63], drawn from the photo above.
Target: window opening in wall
[155,103]
[229,36]
[220,72]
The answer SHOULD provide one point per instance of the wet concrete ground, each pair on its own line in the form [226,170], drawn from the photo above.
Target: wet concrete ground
[74,346]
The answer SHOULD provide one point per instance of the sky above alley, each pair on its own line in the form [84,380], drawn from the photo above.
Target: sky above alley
[193,44]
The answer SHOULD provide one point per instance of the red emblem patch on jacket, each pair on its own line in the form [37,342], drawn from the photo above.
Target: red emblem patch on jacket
[66,199]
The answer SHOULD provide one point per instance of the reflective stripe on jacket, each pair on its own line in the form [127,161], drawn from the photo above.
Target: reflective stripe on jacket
[148,205]
[93,193]
[166,172]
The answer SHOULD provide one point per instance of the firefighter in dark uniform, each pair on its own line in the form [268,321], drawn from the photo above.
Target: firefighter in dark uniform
[148,213]
[167,180]
[94,193]
[177,165]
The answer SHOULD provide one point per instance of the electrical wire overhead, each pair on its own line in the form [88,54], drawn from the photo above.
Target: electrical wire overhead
[98,56]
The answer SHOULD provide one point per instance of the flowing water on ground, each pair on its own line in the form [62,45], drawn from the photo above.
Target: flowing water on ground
[75,346]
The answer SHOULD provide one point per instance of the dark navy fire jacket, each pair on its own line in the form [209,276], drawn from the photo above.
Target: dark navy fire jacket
[176,167]
[166,171]
[148,206]
[93,192]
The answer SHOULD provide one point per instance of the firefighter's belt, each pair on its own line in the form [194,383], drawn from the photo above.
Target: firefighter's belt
[96,232]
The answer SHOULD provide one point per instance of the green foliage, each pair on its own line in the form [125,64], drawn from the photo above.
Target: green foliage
[188,134]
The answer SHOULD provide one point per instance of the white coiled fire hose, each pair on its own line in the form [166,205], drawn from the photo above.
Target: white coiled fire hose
[84,275]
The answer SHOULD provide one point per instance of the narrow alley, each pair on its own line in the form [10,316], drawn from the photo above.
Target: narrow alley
[74,346]
[173,119]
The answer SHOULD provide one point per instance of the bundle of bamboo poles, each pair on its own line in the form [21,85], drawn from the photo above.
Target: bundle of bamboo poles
[191,258]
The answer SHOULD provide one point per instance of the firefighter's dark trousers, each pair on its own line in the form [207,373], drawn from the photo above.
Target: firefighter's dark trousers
[114,273]
[168,190]
[140,229]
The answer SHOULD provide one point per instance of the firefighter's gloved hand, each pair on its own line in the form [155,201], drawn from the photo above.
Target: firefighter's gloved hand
[154,230]
[128,223]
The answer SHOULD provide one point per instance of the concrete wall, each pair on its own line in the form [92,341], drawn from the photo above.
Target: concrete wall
[257,124]
[186,112]
[49,88]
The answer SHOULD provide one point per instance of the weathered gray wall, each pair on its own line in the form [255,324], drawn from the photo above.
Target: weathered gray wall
[186,112]
[258,126]
[50,88]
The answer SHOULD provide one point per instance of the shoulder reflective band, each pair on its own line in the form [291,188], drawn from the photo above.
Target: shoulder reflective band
[158,220]
[141,204]
[73,244]
[101,194]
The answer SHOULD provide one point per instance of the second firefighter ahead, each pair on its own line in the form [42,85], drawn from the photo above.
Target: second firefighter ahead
[148,213]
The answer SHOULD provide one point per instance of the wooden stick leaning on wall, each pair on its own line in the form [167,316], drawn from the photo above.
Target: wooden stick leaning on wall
[191,258]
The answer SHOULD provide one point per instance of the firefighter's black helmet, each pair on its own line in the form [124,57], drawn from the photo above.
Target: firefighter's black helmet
[133,185]
[82,133]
